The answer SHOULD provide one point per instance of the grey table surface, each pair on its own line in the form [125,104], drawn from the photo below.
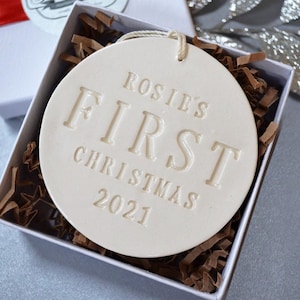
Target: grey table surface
[268,267]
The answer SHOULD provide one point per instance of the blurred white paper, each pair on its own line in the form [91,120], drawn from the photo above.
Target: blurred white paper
[26,49]
[168,13]
[51,16]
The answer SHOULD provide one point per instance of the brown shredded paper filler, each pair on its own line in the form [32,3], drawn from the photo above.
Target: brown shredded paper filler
[28,203]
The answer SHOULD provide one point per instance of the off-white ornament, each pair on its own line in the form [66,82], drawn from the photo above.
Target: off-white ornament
[147,155]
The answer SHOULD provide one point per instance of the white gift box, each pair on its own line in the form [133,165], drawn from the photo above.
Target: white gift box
[278,73]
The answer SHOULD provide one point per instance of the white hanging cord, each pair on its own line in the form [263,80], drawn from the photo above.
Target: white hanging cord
[182,44]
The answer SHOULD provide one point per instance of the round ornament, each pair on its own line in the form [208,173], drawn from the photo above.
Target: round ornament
[146,154]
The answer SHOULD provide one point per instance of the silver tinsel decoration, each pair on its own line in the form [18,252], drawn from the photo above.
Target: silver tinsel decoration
[239,7]
[290,11]
[198,4]
[220,39]
[283,46]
